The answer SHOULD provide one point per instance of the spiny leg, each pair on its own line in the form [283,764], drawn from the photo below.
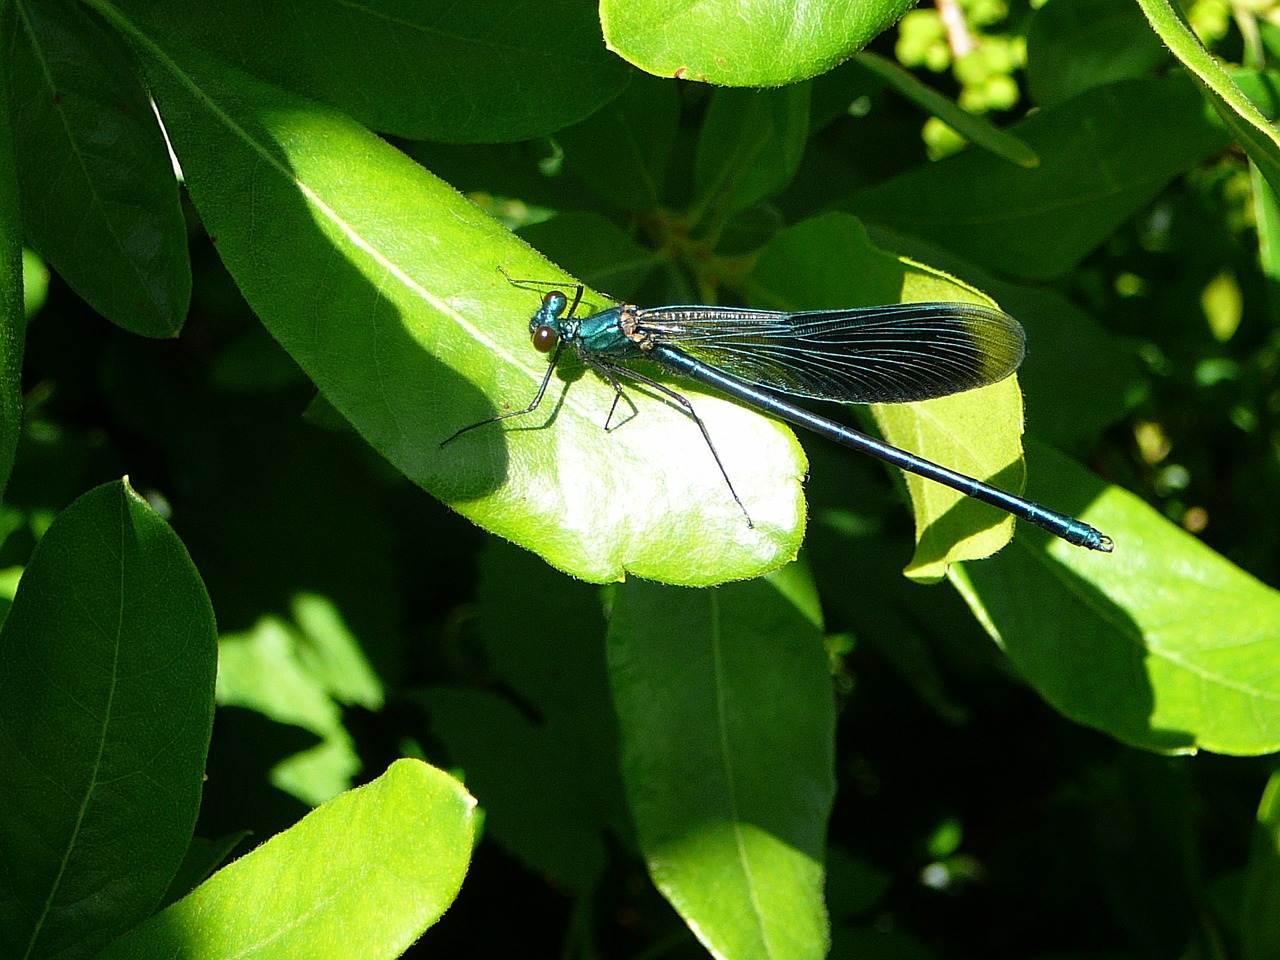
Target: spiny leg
[533,405]
[550,285]
[618,394]
[607,370]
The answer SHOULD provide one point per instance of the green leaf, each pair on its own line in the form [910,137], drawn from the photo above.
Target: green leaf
[1262,87]
[1266,211]
[1144,820]
[1246,122]
[977,130]
[743,44]
[602,254]
[1105,155]
[382,283]
[302,676]
[359,878]
[13,320]
[90,154]
[544,764]
[486,71]
[829,261]
[1260,907]
[203,857]
[749,147]
[954,430]
[1076,45]
[107,664]
[1076,376]
[622,151]
[725,708]
[1164,644]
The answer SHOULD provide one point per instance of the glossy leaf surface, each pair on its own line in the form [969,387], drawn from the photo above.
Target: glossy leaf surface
[726,719]
[743,44]
[107,663]
[89,152]
[977,432]
[1163,645]
[394,853]
[481,72]
[384,288]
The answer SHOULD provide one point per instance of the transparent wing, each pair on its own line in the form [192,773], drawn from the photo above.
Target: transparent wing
[889,354]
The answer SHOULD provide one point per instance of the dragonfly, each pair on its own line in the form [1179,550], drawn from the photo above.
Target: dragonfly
[895,353]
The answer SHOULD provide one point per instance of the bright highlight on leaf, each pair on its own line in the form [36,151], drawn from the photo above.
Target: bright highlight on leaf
[393,854]
[363,619]
[741,43]
[388,296]
[724,699]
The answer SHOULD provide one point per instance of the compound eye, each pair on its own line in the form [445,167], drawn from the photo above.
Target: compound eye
[545,338]
[554,303]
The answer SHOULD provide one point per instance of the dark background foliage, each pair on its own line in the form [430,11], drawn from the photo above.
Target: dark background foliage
[1000,765]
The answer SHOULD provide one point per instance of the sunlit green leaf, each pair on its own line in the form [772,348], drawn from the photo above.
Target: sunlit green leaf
[743,44]
[1247,123]
[726,720]
[829,262]
[360,877]
[1163,644]
[382,283]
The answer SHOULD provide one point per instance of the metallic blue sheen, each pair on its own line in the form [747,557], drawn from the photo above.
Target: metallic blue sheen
[890,354]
